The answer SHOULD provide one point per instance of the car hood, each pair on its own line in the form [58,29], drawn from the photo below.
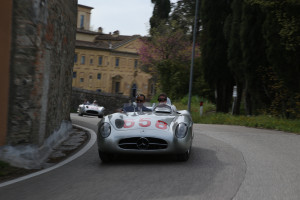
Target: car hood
[124,122]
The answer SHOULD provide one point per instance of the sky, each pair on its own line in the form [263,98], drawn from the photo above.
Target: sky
[130,17]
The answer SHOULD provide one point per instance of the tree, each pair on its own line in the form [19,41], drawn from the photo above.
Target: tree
[184,15]
[253,47]
[166,55]
[214,51]
[160,13]
[234,54]
[281,30]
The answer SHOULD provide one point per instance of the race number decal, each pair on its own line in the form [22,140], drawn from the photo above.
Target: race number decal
[144,122]
[128,123]
[161,125]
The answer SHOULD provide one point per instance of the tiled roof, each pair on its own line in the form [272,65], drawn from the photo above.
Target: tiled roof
[105,41]
[91,45]
[80,5]
[125,41]
[79,30]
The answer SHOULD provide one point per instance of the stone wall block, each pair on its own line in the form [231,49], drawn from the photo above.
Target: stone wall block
[43,51]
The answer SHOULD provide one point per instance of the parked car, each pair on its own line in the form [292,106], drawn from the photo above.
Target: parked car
[159,131]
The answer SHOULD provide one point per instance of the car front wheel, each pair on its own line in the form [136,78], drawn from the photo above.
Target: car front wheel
[184,156]
[105,157]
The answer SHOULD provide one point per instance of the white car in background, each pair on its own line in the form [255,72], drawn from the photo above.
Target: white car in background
[90,109]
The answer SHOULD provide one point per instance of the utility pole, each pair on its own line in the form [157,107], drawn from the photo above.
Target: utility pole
[193,56]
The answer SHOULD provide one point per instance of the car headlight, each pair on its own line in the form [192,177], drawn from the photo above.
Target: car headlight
[105,129]
[119,123]
[181,130]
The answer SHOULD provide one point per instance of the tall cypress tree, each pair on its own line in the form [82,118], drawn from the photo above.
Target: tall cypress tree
[281,31]
[214,51]
[234,53]
[160,13]
[184,15]
[254,57]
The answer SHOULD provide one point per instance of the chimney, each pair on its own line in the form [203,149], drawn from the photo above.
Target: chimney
[100,30]
[116,33]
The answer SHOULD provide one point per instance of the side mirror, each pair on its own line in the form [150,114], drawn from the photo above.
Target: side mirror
[134,104]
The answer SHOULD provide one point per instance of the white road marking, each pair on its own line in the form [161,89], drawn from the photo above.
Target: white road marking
[76,155]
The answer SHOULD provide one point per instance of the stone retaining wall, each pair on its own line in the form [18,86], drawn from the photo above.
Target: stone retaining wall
[110,102]
[43,43]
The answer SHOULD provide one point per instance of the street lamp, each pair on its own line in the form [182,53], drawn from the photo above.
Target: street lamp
[193,55]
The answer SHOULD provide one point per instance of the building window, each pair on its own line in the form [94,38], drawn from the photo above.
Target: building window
[81,80]
[81,21]
[74,74]
[135,64]
[152,89]
[133,90]
[75,58]
[91,77]
[117,88]
[100,60]
[91,61]
[82,60]
[117,62]
[99,76]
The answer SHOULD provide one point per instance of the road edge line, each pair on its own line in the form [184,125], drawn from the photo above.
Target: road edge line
[93,138]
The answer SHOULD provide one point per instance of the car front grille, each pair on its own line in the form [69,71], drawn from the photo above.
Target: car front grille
[143,143]
[92,112]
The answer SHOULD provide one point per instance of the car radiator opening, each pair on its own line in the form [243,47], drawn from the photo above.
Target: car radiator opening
[143,143]
[92,112]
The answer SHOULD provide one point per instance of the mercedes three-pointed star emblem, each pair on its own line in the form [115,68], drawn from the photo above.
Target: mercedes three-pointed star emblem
[142,143]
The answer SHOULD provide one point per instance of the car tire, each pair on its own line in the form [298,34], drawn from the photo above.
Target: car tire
[105,157]
[100,116]
[184,156]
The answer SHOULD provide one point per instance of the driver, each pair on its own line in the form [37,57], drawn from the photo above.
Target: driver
[162,98]
[86,102]
[95,103]
[140,99]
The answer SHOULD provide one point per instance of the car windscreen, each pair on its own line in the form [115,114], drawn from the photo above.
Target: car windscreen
[163,108]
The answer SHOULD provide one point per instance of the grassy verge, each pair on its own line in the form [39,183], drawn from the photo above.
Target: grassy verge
[262,121]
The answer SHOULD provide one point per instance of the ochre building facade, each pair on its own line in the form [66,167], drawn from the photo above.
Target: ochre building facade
[108,62]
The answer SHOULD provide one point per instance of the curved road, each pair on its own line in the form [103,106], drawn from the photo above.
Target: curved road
[227,162]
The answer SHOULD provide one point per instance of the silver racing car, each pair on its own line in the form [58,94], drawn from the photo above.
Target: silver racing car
[161,130]
[90,109]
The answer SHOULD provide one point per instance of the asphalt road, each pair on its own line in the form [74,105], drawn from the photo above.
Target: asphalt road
[227,162]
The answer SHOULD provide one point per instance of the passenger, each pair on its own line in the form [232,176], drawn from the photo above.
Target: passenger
[140,100]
